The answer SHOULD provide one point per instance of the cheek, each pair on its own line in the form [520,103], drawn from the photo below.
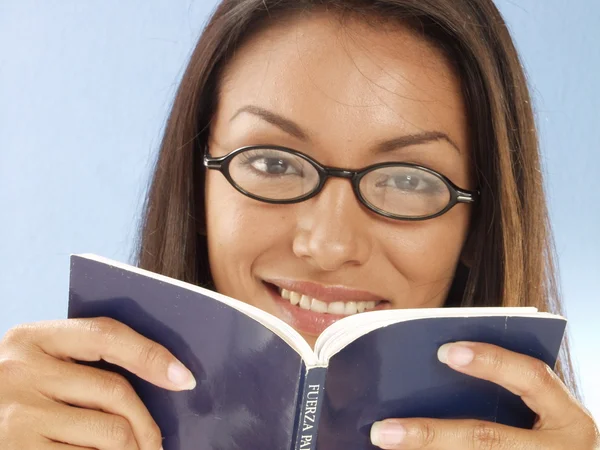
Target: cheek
[239,231]
[427,253]
[416,261]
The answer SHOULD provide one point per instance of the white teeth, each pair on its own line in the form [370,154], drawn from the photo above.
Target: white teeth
[305,302]
[336,308]
[318,306]
[350,308]
[294,298]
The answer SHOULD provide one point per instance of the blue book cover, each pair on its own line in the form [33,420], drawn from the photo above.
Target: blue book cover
[261,386]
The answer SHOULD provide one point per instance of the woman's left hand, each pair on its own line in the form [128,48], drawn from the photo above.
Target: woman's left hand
[562,422]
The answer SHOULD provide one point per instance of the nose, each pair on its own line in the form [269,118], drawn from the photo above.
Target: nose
[333,229]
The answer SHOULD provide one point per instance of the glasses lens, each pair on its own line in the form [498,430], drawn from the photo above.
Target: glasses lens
[273,174]
[405,191]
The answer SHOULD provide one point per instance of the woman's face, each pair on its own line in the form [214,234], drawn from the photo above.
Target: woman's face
[338,93]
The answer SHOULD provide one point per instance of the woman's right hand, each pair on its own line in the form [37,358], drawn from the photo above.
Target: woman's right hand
[49,402]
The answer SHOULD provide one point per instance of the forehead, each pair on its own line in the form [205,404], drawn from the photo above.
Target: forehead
[347,80]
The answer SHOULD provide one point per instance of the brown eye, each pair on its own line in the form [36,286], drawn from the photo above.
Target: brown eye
[272,166]
[273,174]
[404,182]
[405,191]
[270,163]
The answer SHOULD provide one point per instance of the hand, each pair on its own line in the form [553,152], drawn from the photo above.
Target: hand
[562,422]
[47,401]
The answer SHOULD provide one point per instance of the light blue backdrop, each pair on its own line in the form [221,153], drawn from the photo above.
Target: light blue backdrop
[85,87]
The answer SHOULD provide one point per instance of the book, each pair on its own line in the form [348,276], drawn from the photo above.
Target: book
[261,386]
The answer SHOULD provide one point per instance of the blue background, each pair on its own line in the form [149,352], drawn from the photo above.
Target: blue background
[85,88]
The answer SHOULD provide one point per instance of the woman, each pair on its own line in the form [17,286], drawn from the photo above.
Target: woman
[424,106]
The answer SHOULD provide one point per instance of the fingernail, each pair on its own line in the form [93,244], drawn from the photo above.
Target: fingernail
[181,376]
[456,355]
[387,434]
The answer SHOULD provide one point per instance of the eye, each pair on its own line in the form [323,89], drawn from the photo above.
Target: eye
[272,165]
[405,191]
[407,182]
[273,174]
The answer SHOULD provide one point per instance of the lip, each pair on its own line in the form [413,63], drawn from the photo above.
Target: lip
[327,294]
[309,322]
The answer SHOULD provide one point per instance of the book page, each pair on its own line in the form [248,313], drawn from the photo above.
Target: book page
[247,376]
[274,324]
[347,330]
[393,371]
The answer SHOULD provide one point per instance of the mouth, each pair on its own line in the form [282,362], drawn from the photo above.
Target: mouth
[311,308]
[339,308]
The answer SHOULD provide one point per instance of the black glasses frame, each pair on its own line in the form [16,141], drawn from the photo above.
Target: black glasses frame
[457,195]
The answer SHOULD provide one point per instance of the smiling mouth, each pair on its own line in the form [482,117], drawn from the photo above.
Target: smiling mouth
[338,308]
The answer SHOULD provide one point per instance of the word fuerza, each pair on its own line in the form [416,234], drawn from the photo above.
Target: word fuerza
[307,439]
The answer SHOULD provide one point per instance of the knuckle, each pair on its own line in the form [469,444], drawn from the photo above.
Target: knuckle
[16,335]
[153,437]
[119,433]
[12,369]
[590,432]
[12,415]
[485,436]
[426,434]
[9,413]
[495,359]
[117,388]
[151,355]
[540,377]
[103,326]
[105,330]
[594,436]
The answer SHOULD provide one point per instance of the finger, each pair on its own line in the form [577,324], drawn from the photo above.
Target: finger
[91,388]
[61,446]
[109,340]
[536,383]
[451,434]
[86,428]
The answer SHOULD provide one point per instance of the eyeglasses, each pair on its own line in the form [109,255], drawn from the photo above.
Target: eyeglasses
[281,175]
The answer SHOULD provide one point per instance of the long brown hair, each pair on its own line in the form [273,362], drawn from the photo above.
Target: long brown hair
[510,243]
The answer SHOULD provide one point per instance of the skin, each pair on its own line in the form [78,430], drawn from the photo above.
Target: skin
[49,402]
[345,108]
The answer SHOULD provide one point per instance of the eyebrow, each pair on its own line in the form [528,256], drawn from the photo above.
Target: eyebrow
[415,139]
[280,122]
[291,128]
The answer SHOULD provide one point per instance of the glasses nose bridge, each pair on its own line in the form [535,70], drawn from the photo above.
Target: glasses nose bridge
[336,172]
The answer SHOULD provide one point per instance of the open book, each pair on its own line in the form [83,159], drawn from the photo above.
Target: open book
[261,386]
